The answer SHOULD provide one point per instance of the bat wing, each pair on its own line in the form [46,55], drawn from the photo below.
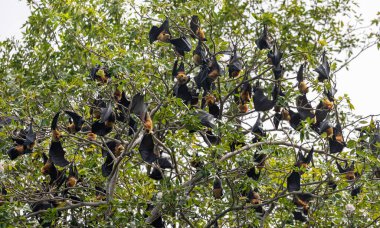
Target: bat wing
[146,149]
[165,163]
[300,73]
[181,44]
[294,182]
[57,154]
[153,33]
[54,123]
[138,106]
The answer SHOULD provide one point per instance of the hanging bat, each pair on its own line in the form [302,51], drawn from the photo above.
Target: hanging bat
[301,200]
[100,74]
[302,86]
[323,70]
[181,45]
[235,65]
[217,188]
[214,69]
[199,55]
[116,148]
[304,108]
[303,161]
[105,125]
[76,124]
[146,149]
[294,182]
[160,33]
[261,102]
[336,142]
[195,27]
[263,42]
[252,173]
[349,171]
[274,56]
[179,73]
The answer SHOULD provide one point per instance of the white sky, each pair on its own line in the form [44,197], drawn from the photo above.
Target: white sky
[361,82]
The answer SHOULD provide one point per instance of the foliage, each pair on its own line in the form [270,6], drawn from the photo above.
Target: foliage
[48,71]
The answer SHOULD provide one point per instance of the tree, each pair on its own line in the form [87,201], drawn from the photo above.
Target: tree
[213,144]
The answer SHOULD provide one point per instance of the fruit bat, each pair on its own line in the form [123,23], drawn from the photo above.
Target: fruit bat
[116,148]
[202,80]
[253,197]
[156,174]
[261,102]
[183,92]
[301,200]
[234,66]
[100,73]
[214,69]
[323,70]
[95,109]
[303,88]
[332,184]
[56,151]
[146,149]
[252,173]
[299,216]
[213,139]
[263,41]
[236,144]
[206,119]
[72,179]
[349,171]
[257,130]
[24,141]
[157,222]
[321,113]
[195,27]
[325,126]
[196,162]
[294,182]
[100,193]
[217,188]
[304,107]
[210,101]
[179,73]
[275,56]
[160,33]
[303,161]
[164,163]
[295,120]
[330,93]
[49,169]
[181,45]
[336,142]
[138,106]
[40,205]
[355,191]
[77,122]
[259,159]
[278,71]
[199,55]
[148,123]
[105,125]
[246,93]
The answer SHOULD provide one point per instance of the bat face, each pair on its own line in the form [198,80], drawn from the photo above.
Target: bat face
[243,108]
[182,78]
[213,74]
[117,95]
[210,99]
[327,104]
[197,59]
[163,37]
[303,88]
[285,115]
[71,182]
[91,136]
[148,124]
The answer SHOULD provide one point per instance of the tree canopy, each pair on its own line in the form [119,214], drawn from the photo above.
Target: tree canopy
[186,114]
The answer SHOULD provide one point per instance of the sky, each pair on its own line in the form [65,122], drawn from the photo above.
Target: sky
[360,81]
